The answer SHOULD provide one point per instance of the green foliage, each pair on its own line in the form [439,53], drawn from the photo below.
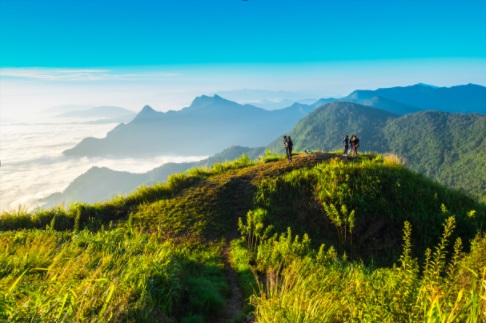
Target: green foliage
[254,231]
[343,220]
[240,260]
[108,275]
[435,264]
[279,250]
[270,157]
[204,297]
[442,146]
[363,205]
[306,290]
[243,161]
[319,241]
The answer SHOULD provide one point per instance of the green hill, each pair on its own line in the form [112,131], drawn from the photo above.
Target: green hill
[325,127]
[353,240]
[443,146]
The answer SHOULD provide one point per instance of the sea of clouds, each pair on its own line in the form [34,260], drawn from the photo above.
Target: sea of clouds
[33,166]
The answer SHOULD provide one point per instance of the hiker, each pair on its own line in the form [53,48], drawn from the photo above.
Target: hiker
[288,147]
[291,144]
[346,145]
[354,145]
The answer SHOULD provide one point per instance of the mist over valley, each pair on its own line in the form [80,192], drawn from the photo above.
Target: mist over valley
[33,166]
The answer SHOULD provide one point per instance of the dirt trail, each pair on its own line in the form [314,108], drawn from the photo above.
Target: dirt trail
[235,301]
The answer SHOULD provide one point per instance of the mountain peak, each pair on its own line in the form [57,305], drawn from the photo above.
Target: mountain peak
[207,101]
[146,114]
[147,109]
[426,85]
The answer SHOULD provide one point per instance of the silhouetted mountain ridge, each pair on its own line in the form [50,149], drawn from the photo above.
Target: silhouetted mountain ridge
[470,98]
[209,125]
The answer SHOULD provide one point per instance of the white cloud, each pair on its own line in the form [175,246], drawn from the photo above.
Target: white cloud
[33,166]
[70,74]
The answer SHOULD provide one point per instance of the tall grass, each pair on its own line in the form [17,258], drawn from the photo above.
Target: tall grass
[316,286]
[351,201]
[318,244]
[115,275]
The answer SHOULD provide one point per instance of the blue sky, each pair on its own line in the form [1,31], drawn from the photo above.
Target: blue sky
[163,53]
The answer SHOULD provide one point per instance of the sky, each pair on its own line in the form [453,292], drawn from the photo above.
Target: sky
[164,53]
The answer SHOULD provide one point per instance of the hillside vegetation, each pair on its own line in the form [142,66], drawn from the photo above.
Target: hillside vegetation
[443,146]
[322,239]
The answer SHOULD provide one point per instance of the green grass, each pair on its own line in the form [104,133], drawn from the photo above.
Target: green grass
[316,286]
[120,275]
[322,239]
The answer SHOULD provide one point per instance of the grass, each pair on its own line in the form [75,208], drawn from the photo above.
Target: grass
[119,274]
[324,238]
[317,286]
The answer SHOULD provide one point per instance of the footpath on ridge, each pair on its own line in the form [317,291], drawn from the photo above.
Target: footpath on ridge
[238,198]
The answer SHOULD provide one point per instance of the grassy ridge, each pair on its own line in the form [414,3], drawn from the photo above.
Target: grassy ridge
[443,146]
[323,238]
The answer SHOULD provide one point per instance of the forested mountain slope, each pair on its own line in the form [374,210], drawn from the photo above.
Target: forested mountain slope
[444,146]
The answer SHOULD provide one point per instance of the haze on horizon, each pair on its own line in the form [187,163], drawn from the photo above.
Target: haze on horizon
[163,54]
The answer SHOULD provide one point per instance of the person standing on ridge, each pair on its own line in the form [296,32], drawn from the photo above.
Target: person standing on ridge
[288,150]
[346,145]
[290,145]
[286,144]
[354,144]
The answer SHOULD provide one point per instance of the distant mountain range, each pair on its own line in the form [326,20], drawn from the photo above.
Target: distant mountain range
[209,125]
[445,146]
[325,127]
[468,98]
[265,99]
